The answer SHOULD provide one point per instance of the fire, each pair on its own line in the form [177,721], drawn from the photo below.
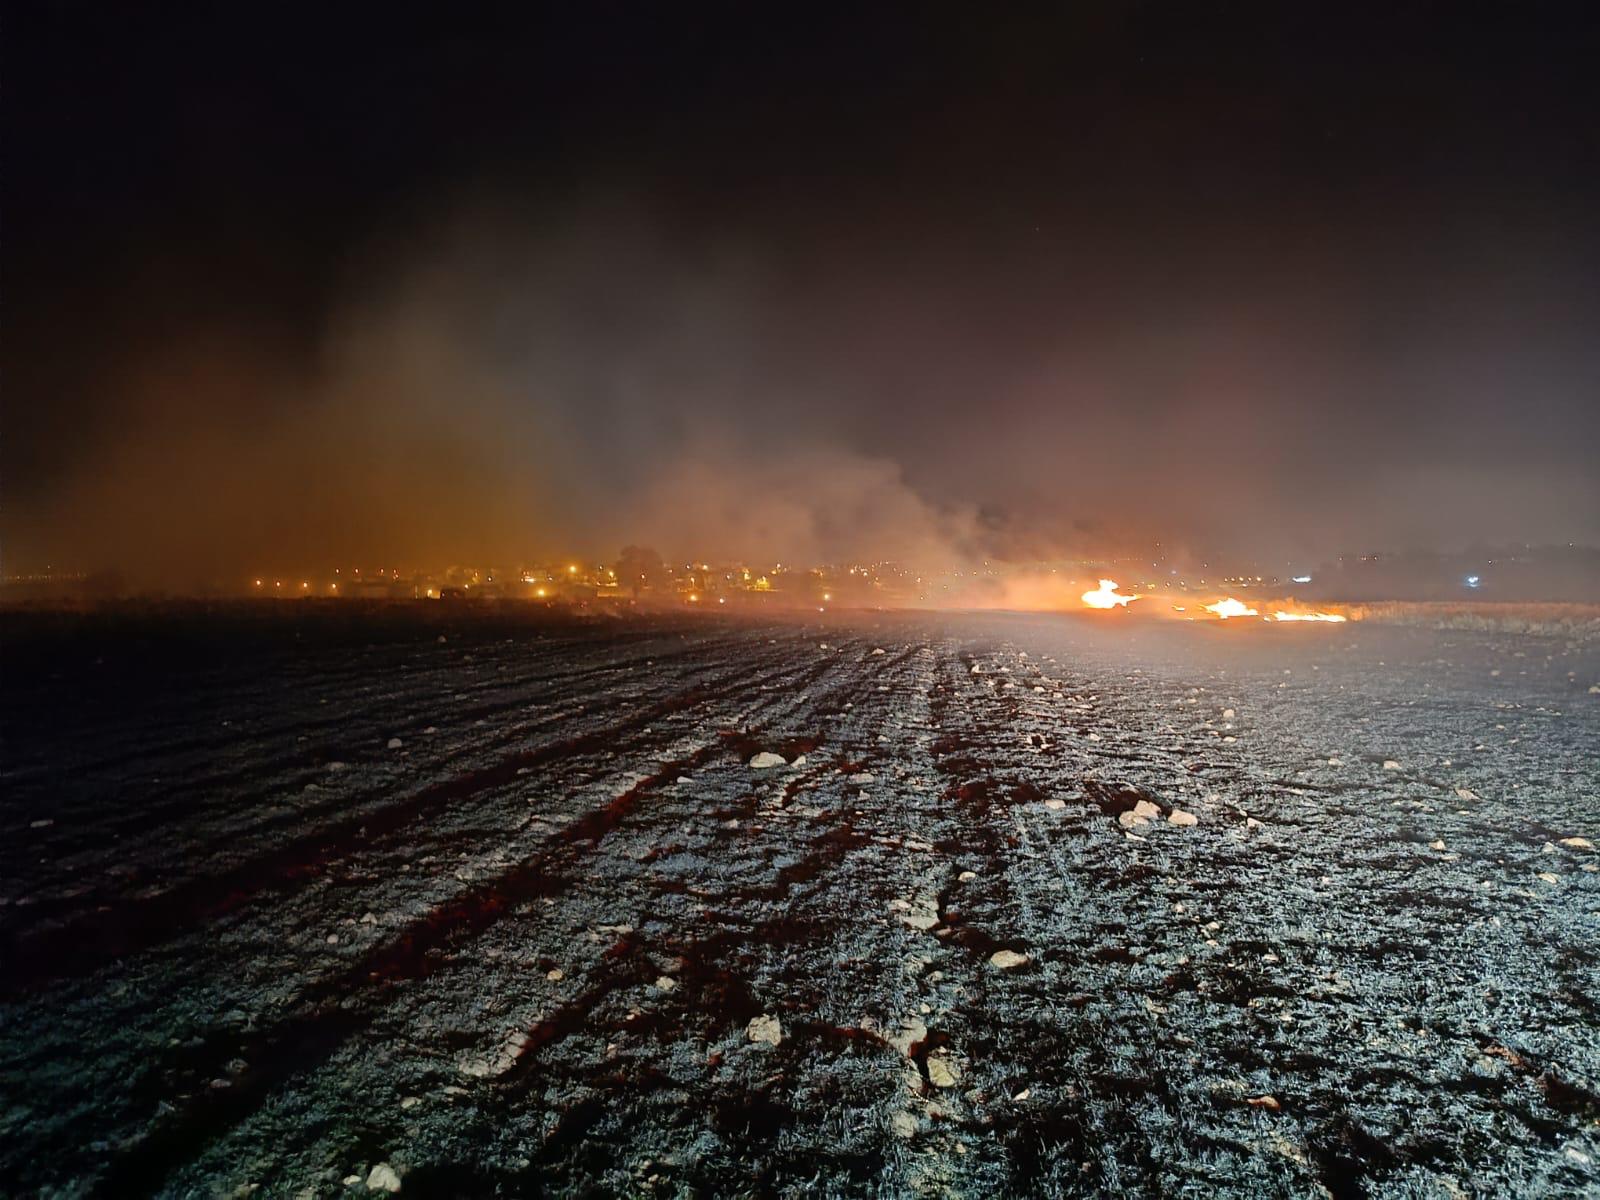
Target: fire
[1231,608]
[1316,616]
[1106,596]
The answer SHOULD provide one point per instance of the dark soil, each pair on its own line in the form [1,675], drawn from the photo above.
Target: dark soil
[248,944]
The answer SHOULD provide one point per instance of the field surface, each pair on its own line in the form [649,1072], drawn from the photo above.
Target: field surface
[472,904]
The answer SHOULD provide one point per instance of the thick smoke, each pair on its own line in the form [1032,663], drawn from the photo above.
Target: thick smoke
[476,393]
[491,398]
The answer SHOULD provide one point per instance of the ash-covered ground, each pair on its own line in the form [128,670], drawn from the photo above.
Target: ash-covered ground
[476,904]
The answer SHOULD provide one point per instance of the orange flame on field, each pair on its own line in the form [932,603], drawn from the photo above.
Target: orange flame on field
[1231,608]
[1106,596]
[1316,616]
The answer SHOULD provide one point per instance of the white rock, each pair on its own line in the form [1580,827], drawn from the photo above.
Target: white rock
[912,1032]
[878,650]
[903,1125]
[966,875]
[942,1073]
[1008,960]
[767,759]
[383,1178]
[1227,714]
[1131,819]
[1179,817]
[799,762]
[1436,845]
[765,1028]
[1389,764]
[42,823]
[1055,803]
[862,777]
[395,743]
[666,983]
[1466,794]
[1578,843]
[1146,809]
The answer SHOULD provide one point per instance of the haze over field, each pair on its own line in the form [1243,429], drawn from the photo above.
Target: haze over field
[775,286]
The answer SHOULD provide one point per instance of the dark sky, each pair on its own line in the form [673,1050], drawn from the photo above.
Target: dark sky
[288,285]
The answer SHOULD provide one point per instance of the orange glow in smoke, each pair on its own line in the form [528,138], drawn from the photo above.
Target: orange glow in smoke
[1106,596]
[1316,616]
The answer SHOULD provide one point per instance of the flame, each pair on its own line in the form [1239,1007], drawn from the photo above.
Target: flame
[1316,616]
[1231,608]
[1105,596]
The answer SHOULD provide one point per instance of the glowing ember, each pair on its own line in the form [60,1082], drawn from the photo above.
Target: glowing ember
[1106,596]
[1230,608]
[1290,616]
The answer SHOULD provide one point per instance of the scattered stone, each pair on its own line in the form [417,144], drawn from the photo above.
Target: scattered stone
[903,1124]
[799,762]
[966,875]
[765,1028]
[1147,810]
[913,1032]
[877,650]
[383,1178]
[1336,762]
[767,759]
[1438,844]
[1578,843]
[862,777]
[942,1073]
[1129,819]
[1008,960]
[1389,764]
[556,976]
[1055,804]
[1179,817]
[42,823]
[1549,877]
[921,920]
[666,983]
[395,743]
[1227,714]
[1466,794]
[1270,1103]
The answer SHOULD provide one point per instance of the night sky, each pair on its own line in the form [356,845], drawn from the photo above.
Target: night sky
[290,286]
